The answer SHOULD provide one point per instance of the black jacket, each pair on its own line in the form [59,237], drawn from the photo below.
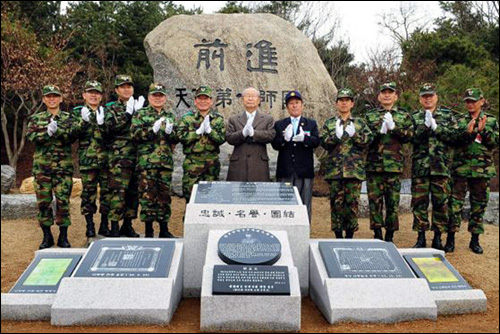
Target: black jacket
[296,157]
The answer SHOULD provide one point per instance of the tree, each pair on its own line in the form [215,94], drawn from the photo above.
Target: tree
[26,66]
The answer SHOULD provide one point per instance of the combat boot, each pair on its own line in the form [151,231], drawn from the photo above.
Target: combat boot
[474,244]
[436,242]
[48,238]
[389,236]
[115,232]
[150,233]
[90,233]
[349,233]
[127,230]
[103,227]
[421,242]
[338,234]
[62,241]
[450,243]
[378,234]
[164,233]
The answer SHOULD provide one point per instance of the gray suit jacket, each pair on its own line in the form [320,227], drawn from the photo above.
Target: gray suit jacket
[249,161]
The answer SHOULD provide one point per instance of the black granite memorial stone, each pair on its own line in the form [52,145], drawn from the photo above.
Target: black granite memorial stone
[257,193]
[125,258]
[249,246]
[439,273]
[251,280]
[363,260]
[45,273]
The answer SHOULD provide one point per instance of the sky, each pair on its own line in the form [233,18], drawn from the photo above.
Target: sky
[358,21]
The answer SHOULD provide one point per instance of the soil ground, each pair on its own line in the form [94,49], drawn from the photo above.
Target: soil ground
[20,239]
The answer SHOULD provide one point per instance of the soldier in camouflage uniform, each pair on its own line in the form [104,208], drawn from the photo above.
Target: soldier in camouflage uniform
[51,132]
[346,139]
[201,132]
[435,129]
[93,154]
[153,131]
[392,128]
[123,181]
[473,168]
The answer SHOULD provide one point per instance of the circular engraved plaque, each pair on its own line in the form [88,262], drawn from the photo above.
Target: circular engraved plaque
[249,246]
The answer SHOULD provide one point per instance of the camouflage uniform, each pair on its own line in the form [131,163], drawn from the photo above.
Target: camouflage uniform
[52,164]
[154,163]
[473,168]
[202,152]
[93,154]
[123,181]
[385,165]
[432,159]
[345,170]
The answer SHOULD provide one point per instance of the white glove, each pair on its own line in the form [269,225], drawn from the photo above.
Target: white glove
[300,137]
[201,129]
[383,129]
[251,131]
[139,103]
[86,114]
[248,130]
[389,120]
[428,116]
[350,129]
[52,127]
[433,124]
[339,129]
[99,116]
[208,128]
[130,106]
[169,127]
[288,133]
[157,125]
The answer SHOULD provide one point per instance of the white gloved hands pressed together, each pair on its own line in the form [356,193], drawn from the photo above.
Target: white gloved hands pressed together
[430,122]
[389,121]
[52,127]
[204,127]
[157,125]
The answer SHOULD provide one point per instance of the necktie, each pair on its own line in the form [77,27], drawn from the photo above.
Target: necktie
[295,123]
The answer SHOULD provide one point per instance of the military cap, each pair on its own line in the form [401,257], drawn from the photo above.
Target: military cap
[93,85]
[389,85]
[51,89]
[345,92]
[428,89]
[474,94]
[293,94]
[123,79]
[157,88]
[203,90]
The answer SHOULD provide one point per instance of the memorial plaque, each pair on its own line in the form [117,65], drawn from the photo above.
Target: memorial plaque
[438,272]
[260,193]
[363,260]
[127,258]
[251,280]
[45,273]
[249,246]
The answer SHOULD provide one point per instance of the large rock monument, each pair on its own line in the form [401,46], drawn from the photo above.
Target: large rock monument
[231,52]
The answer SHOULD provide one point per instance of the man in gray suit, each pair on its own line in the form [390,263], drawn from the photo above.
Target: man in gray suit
[250,132]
